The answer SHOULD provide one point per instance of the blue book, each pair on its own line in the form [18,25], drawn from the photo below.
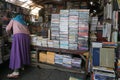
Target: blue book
[96,56]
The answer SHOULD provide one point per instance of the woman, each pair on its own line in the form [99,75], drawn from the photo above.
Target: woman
[20,45]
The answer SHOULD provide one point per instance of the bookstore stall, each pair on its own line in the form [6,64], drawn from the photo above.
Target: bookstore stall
[76,36]
[81,34]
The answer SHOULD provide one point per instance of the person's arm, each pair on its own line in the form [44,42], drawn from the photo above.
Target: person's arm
[9,26]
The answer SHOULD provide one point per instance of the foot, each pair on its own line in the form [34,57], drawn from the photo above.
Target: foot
[13,75]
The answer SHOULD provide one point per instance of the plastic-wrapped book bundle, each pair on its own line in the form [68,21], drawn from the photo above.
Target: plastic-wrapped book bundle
[67,61]
[42,57]
[76,62]
[59,59]
[51,57]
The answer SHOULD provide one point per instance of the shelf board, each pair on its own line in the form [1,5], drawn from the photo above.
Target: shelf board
[78,52]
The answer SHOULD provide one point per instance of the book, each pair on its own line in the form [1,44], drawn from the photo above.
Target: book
[107,56]
[96,56]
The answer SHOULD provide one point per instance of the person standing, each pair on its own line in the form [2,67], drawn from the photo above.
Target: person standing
[20,49]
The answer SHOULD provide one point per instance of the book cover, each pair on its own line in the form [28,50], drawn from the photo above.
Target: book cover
[107,56]
[96,56]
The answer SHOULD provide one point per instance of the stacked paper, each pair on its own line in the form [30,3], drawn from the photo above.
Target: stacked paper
[50,57]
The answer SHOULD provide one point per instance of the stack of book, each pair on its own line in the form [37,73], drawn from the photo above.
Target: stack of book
[94,22]
[103,76]
[50,43]
[103,61]
[83,29]
[39,41]
[64,29]
[73,28]
[58,59]
[67,61]
[55,26]
[45,42]
[102,56]
[76,62]
[56,43]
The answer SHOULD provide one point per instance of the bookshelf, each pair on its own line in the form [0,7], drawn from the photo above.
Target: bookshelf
[103,47]
[69,39]
[62,51]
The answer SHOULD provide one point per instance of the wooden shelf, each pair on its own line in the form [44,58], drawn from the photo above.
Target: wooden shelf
[77,52]
[82,70]
[60,67]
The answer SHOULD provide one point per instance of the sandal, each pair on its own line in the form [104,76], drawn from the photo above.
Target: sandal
[13,75]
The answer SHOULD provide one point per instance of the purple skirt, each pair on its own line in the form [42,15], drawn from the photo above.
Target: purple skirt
[20,51]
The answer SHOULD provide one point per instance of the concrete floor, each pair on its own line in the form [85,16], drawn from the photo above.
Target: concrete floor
[35,73]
